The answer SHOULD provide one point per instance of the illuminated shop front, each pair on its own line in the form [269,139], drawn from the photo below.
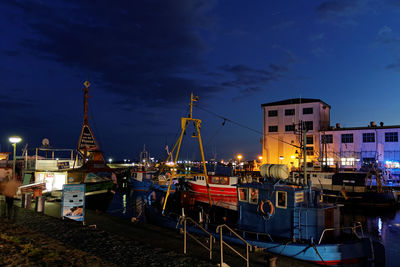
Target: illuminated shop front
[53,180]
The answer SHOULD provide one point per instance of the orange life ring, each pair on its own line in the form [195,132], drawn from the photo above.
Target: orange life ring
[265,213]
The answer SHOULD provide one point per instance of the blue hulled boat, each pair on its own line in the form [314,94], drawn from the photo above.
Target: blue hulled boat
[279,217]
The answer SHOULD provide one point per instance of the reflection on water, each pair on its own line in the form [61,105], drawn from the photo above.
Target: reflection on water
[128,204]
[380,224]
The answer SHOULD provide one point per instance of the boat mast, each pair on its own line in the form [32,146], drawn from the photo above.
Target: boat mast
[87,145]
[184,124]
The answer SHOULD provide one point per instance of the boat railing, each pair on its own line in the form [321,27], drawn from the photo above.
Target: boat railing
[222,243]
[183,220]
[352,228]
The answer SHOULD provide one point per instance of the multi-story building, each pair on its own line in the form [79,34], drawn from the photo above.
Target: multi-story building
[350,147]
[359,146]
[283,123]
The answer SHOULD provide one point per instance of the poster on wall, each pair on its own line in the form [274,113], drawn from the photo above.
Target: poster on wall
[73,202]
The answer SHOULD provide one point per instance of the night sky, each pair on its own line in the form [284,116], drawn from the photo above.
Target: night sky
[143,58]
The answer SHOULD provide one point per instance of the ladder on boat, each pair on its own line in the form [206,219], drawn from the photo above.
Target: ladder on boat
[298,225]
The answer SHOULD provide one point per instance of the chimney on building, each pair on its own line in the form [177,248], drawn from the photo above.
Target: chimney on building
[372,124]
[381,123]
[337,125]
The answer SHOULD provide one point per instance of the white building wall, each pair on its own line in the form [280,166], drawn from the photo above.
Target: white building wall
[280,147]
[381,150]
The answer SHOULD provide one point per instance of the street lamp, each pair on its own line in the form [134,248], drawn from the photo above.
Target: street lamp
[14,140]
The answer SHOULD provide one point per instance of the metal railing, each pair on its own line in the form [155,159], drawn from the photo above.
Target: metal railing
[184,219]
[222,242]
[352,228]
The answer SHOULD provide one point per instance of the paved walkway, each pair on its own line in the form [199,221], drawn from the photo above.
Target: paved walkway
[158,237]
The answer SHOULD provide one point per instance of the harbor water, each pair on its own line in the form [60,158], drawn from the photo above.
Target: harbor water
[379,224]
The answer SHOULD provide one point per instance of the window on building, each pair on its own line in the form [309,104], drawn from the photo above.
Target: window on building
[243,194]
[368,161]
[310,140]
[308,111]
[253,195]
[272,113]
[347,138]
[327,139]
[289,112]
[391,137]
[289,128]
[347,161]
[368,137]
[272,129]
[308,125]
[327,161]
[281,199]
[310,151]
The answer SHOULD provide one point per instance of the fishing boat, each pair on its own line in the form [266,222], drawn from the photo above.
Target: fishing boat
[354,188]
[219,186]
[279,217]
[141,179]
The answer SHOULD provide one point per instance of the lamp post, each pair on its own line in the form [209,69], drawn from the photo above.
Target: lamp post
[14,140]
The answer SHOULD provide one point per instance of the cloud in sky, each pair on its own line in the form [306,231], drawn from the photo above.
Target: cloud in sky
[341,12]
[134,48]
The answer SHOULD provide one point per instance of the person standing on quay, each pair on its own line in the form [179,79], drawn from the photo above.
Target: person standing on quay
[9,189]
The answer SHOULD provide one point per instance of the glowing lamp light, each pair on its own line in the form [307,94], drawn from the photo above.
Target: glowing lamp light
[239,157]
[14,139]
[281,157]
[292,156]
[110,160]
[260,158]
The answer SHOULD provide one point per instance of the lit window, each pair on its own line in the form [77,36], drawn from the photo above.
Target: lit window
[347,161]
[253,195]
[328,161]
[243,194]
[281,199]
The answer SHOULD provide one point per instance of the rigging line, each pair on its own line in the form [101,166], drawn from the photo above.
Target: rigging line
[244,126]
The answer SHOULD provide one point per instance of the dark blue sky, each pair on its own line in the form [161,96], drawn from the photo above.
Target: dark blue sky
[144,58]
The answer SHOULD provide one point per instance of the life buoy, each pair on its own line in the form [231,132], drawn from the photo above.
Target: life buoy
[271,209]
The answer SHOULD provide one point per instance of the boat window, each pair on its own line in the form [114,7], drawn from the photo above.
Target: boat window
[253,195]
[224,180]
[243,194]
[215,180]
[281,199]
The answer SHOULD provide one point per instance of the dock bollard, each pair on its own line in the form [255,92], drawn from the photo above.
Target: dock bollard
[28,201]
[39,206]
[272,261]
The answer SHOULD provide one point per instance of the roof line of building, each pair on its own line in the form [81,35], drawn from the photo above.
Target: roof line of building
[295,101]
